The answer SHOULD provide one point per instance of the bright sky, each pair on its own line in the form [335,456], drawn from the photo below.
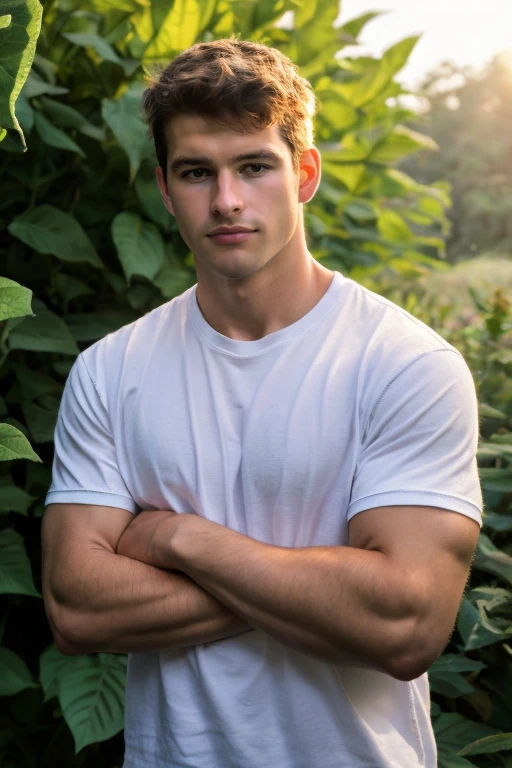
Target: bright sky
[463,31]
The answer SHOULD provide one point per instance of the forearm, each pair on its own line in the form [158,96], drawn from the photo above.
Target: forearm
[341,604]
[124,606]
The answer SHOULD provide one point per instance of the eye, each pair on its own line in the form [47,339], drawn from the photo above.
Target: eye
[256,168]
[195,173]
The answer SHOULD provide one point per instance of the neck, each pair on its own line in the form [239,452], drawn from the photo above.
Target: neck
[276,296]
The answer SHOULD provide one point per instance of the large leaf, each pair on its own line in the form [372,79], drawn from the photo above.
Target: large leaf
[15,299]
[178,29]
[50,230]
[14,445]
[40,421]
[17,47]
[139,246]
[54,666]
[494,479]
[476,629]
[453,732]
[376,78]
[492,560]
[125,121]
[87,40]
[55,137]
[14,674]
[14,499]
[92,698]
[91,326]
[488,745]
[15,572]
[399,143]
[46,332]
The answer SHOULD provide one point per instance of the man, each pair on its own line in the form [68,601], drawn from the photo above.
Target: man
[301,453]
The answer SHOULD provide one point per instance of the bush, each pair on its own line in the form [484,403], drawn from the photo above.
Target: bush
[82,226]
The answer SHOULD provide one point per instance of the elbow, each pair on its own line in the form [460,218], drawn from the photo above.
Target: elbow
[71,632]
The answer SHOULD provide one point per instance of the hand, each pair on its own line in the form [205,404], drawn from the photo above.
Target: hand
[147,538]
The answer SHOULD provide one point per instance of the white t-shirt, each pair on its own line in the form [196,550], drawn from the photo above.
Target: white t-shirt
[284,439]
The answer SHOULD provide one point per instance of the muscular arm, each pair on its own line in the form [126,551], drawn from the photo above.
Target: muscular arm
[97,600]
[377,602]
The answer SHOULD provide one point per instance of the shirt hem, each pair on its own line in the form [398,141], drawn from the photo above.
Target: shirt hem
[100,498]
[413,498]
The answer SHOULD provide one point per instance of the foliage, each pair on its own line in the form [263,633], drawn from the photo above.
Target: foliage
[74,207]
[471,711]
[469,116]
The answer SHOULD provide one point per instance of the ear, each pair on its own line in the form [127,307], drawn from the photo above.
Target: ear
[162,186]
[310,172]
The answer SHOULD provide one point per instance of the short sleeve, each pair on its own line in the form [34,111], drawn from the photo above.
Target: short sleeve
[85,469]
[419,445]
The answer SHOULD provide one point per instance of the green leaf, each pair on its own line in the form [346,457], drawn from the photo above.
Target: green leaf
[15,572]
[355,26]
[54,665]
[90,326]
[495,479]
[149,197]
[86,40]
[454,731]
[54,137]
[14,445]
[35,86]
[475,628]
[63,114]
[449,684]
[17,48]
[451,662]
[488,745]
[488,412]
[377,76]
[14,674]
[392,227]
[349,174]
[401,141]
[361,210]
[46,332]
[125,121]
[178,29]
[491,559]
[40,421]
[14,499]
[92,698]
[5,21]
[15,299]
[498,522]
[446,759]
[172,281]
[35,384]
[139,246]
[50,230]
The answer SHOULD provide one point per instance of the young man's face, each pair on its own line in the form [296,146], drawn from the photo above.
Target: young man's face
[244,183]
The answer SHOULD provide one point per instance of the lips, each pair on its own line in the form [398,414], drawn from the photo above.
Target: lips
[227,236]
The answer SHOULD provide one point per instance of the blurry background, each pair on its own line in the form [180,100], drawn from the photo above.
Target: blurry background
[415,203]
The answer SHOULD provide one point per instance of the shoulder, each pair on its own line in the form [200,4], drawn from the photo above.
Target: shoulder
[133,345]
[397,349]
[390,330]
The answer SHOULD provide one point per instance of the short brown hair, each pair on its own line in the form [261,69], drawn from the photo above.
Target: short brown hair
[237,81]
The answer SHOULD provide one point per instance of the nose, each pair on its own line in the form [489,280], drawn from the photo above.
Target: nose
[227,197]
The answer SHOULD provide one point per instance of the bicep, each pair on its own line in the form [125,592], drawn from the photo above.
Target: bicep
[432,549]
[71,531]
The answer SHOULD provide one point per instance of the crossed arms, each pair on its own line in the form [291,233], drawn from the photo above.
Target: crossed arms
[387,601]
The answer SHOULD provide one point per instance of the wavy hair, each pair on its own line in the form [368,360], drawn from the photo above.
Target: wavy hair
[236,83]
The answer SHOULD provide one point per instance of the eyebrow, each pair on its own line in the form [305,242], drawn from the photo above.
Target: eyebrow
[262,154]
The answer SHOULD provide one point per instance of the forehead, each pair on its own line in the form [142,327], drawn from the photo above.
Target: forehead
[196,135]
